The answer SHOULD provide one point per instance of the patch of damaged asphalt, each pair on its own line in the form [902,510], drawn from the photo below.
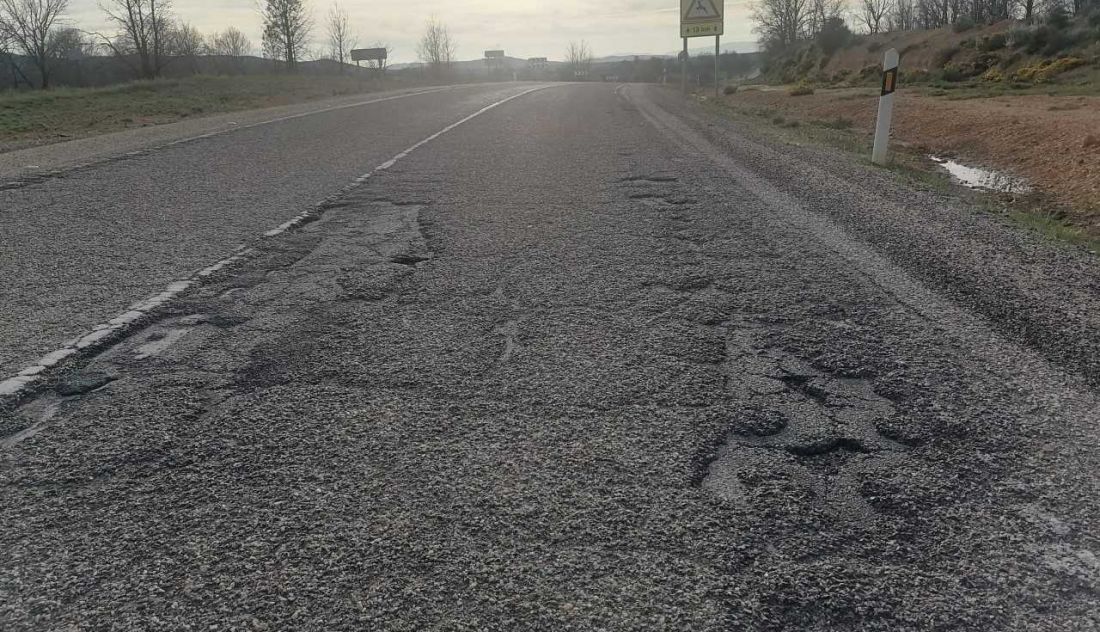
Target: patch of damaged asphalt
[1034,291]
[518,432]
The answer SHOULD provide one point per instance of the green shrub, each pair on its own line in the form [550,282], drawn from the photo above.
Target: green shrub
[728,90]
[963,24]
[801,90]
[984,62]
[838,123]
[968,43]
[1058,18]
[1094,18]
[1039,39]
[1044,71]
[1056,41]
[874,47]
[1021,37]
[953,73]
[915,76]
[841,75]
[834,36]
[910,48]
[993,75]
[994,42]
[944,56]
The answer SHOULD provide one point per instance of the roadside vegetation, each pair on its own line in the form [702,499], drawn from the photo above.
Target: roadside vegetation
[37,117]
[1002,58]
[1047,208]
[1008,85]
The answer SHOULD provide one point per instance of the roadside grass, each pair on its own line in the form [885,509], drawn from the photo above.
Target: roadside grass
[39,117]
[1033,212]
[1053,226]
[1082,87]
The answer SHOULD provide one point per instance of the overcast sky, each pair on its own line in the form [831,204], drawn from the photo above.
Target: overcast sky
[523,28]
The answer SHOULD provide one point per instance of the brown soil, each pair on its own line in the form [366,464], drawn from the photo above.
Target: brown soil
[1050,141]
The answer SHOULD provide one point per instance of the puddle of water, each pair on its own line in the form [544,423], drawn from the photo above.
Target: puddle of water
[982,179]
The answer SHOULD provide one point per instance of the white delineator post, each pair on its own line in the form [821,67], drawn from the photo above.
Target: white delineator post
[886,107]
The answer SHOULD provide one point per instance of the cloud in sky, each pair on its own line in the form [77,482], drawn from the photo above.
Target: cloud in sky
[523,28]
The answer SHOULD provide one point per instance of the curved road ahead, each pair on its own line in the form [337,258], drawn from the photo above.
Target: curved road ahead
[574,356]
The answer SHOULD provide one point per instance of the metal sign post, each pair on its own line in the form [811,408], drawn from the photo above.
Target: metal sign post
[717,53]
[684,68]
[702,18]
[886,107]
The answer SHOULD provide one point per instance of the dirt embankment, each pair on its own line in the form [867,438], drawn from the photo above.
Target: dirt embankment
[1053,142]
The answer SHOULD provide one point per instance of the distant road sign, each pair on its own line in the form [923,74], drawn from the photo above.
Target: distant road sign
[701,18]
[369,54]
[494,54]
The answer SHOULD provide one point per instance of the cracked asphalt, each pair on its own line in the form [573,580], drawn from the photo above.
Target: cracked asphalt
[593,360]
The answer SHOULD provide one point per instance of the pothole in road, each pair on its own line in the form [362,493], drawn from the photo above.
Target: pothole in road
[83,382]
[654,179]
[808,438]
[409,259]
[159,342]
[828,445]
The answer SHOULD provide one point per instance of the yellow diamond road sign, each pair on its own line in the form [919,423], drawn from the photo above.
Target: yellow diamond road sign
[699,18]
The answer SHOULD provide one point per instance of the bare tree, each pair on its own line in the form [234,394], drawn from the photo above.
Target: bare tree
[187,43]
[872,14]
[780,23]
[144,26]
[72,43]
[436,47]
[287,25]
[380,64]
[341,39]
[579,59]
[903,17]
[17,73]
[29,26]
[820,12]
[230,43]
[1029,10]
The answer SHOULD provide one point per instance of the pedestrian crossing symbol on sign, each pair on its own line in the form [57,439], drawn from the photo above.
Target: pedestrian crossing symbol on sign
[702,10]
[700,18]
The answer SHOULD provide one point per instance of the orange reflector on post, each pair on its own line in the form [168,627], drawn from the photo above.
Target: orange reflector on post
[889,81]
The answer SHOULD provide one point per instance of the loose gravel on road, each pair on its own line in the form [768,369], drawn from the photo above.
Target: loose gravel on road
[591,361]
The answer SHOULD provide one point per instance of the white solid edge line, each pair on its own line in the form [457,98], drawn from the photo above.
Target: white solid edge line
[97,335]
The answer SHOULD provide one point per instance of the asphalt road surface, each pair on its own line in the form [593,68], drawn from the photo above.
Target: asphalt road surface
[589,358]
